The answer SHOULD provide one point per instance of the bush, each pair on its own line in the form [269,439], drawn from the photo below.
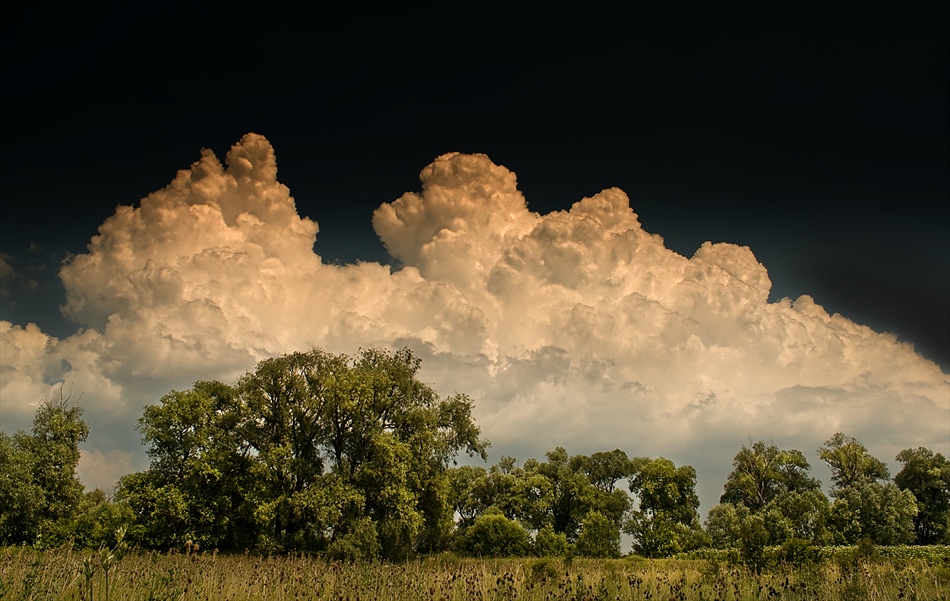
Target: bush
[548,543]
[494,535]
[599,537]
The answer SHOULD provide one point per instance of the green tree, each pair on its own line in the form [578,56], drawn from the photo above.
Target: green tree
[604,469]
[20,496]
[724,525]
[927,475]
[599,537]
[763,472]
[99,519]
[850,462]
[548,543]
[198,482]
[385,437]
[494,535]
[804,514]
[666,520]
[880,512]
[39,489]
[753,539]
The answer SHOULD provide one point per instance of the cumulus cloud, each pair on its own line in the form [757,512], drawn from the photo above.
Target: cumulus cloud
[576,328]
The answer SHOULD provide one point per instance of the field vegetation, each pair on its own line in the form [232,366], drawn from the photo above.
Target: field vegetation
[63,574]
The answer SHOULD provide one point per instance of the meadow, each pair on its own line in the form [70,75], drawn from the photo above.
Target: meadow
[64,574]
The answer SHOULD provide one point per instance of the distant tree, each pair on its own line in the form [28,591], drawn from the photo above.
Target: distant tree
[570,493]
[548,543]
[604,469]
[804,515]
[20,496]
[199,482]
[494,535]
[763,472]
[599,537]
[39,489]
[310,451]
[464,488]
[99,519]
[666,520]
[850,462]
[753,539]
[879,512]
[724,525]
[927,475]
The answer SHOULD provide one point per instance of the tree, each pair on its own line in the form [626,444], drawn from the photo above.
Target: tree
[39,489]
[805,515]
[667,520]
[927,476]
[199,479]
[98,520]
[494,535]
[310,451]
[880,512]
[850,462]
[20,496]
[603,470]
[764,472]
[548,543]
[599,537]
[724,525]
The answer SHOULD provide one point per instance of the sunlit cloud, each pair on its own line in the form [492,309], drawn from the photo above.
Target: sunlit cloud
[576,328]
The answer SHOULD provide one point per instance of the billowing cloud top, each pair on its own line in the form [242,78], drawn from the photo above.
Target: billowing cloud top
[576,328]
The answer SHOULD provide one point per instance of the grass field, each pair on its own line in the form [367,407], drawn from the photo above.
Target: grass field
[76,575]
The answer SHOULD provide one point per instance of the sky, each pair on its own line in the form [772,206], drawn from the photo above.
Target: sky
[668,228]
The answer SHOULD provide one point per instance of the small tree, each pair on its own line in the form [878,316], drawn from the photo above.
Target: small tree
[599,537]
[494,535]
[548,543]
[927,475]
[39,489]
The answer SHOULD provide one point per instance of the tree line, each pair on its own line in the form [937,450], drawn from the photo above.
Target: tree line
[354,458]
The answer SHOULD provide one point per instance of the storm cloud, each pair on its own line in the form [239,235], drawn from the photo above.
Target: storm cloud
[576,328]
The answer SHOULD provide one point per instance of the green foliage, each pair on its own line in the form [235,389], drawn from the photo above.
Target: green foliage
[662,488]
[850,462]
[927,476]
[667,521]
[762,473]
[200,476]
[548,543]
[360,542]
[882,513]
[599,537]
[753,540]
[310,451]
[724,525]
[99,520]
[494,535]
[797,552]
[39,491]
[805,516]
[20,496]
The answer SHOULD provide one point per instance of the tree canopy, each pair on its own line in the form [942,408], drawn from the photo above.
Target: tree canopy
[310,451]
[354,457]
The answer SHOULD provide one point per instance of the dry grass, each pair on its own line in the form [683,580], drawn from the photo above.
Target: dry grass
[75,575]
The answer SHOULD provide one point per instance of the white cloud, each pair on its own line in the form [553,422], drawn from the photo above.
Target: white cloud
[576,328]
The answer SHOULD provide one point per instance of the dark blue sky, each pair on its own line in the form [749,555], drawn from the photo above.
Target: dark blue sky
[815,134]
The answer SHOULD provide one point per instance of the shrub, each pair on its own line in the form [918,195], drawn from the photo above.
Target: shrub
[494,535]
